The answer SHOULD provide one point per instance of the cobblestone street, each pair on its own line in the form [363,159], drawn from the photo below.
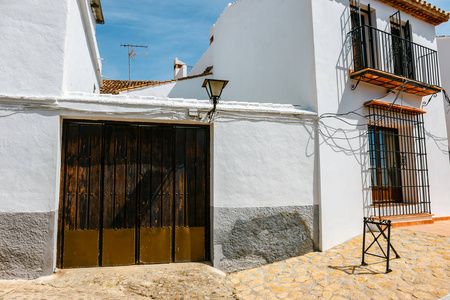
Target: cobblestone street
[422,272]
[164,281]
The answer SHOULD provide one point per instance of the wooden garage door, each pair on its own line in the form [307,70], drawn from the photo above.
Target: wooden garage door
[133,193]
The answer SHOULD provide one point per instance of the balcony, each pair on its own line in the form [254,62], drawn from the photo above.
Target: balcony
[386,60]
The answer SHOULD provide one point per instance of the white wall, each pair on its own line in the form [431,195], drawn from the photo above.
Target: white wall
[268,149]
[298,52]
[263,155]
[205,61]
[48,48]
[263,163]
[29,160]
[443,44]
[264,43]
[439,142]
[266,58]
[32,48]
[265,49]
[344,180]
[82,59]
[436,133]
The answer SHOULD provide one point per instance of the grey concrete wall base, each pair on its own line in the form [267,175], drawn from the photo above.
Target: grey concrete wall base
[249,237]
[26,245]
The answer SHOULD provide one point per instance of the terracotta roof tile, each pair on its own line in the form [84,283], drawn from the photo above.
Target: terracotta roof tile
[421,10]
[116,86]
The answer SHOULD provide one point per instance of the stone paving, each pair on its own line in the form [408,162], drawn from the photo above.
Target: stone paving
[164,281]
[439,227]
[422,272]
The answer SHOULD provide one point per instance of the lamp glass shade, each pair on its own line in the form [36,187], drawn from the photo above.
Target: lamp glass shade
[214,87]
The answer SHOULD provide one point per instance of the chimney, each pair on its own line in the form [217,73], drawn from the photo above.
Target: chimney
[179,69]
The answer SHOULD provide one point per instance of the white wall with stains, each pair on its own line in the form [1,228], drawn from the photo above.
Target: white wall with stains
[265,49]
[48,48]
[82,65]
[250,164]
[300,52]
[344,178]
[32,51]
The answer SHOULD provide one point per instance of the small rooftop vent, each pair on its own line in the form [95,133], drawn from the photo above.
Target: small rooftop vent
[179,69]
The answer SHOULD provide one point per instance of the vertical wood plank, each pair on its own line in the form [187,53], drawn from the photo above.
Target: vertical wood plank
[208,195]
[62,193]
[191,196]
[131,177]
[167,177]
[156,177]
[120,178]
[70,205]
[180,161]
[95,172]
[79,245]
[108,181]
[145,176]
[83,175]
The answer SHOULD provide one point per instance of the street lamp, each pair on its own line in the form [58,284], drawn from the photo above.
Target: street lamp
[214,88]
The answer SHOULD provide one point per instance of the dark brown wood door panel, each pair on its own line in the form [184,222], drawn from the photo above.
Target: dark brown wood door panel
[190,222]
[119,202]
[385,163]
[156,194]
[81,197]
[133,193]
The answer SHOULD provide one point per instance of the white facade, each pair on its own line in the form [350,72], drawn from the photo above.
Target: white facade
[276,159]
[256,46]
[236,171]
[49,48]
[334,95]
[443,44]
[82,64]
[300,52]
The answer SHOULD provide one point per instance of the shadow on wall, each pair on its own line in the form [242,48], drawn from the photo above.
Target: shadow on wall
[345,58]
[440,142]
[350,142]
[269,238]
[347,98]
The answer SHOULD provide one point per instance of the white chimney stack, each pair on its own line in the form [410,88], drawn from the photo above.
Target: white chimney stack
[179,69]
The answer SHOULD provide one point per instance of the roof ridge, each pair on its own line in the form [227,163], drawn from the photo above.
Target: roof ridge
[115,86]
[420,9]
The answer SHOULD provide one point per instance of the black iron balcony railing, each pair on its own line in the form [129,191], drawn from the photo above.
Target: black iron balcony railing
[379,50]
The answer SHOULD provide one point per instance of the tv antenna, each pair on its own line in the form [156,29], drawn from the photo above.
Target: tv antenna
[132,54]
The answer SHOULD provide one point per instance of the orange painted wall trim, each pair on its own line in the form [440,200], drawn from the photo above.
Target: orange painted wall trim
[441,218]
[395,107]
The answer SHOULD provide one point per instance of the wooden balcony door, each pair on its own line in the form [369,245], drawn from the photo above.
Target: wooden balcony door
[364,48]
[402,49]
[385,164]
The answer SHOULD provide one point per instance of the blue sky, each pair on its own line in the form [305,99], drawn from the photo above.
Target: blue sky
[170,28]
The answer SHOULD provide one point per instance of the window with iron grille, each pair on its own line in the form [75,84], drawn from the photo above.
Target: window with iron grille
[398,160]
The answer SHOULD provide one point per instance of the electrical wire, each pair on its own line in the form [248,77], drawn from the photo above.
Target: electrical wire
[337,116]
[177,113]
[446,97]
